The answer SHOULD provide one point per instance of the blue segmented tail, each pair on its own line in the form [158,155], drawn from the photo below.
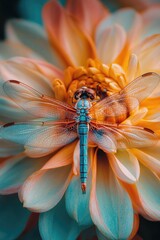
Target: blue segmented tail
[83,134]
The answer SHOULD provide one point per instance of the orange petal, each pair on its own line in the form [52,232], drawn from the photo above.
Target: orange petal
[88,15]
[66,35]
[135,228]
[62,158]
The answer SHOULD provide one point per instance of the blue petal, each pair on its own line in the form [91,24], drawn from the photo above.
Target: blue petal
[13,217]
[77,204]
[56,224]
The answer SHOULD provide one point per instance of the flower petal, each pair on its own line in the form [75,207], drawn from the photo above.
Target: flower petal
[26,73]
[11,49]
[77,204]
[110,206]
[57,224]
[125,165]
[13,217]
[151,19]
[15,171]
[66,35]
[33,36]
[62,158]
[148,52]
[45,68]
[45,188]
[9,148]
[87,19]
[132,68]
[128,19]
[110,43]
[150,157]
[145,194]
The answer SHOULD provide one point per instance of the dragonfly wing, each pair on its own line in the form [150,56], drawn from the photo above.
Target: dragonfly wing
[103,138]
[36,103]
[110,138]
[119,106]
[39,138]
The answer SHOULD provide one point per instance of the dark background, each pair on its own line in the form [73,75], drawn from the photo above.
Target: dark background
[11,9]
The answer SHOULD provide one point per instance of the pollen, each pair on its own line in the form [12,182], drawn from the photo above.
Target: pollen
[103,79]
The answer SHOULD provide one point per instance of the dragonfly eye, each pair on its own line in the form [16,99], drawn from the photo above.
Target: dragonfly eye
[84,92]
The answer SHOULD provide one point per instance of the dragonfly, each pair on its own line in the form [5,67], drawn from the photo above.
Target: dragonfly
[54,124]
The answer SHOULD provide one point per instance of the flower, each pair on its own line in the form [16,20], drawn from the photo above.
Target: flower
[104,52]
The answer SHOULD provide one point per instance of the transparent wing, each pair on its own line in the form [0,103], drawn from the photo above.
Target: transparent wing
[111,137]
[36,103]
[117,108]
[39,138]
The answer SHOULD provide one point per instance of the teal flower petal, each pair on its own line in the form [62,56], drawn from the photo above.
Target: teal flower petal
[56,224]
[77,204]
[13,217]
[110,205]
[15,171]
[8,149]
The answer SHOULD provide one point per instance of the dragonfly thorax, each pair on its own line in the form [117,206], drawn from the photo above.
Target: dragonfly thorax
[83,104]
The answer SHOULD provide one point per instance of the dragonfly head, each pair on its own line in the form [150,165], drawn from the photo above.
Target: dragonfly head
[84,92]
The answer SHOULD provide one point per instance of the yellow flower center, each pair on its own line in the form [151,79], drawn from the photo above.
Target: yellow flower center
[104,79]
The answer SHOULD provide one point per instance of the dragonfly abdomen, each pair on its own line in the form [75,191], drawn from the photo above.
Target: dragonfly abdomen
[83,135]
